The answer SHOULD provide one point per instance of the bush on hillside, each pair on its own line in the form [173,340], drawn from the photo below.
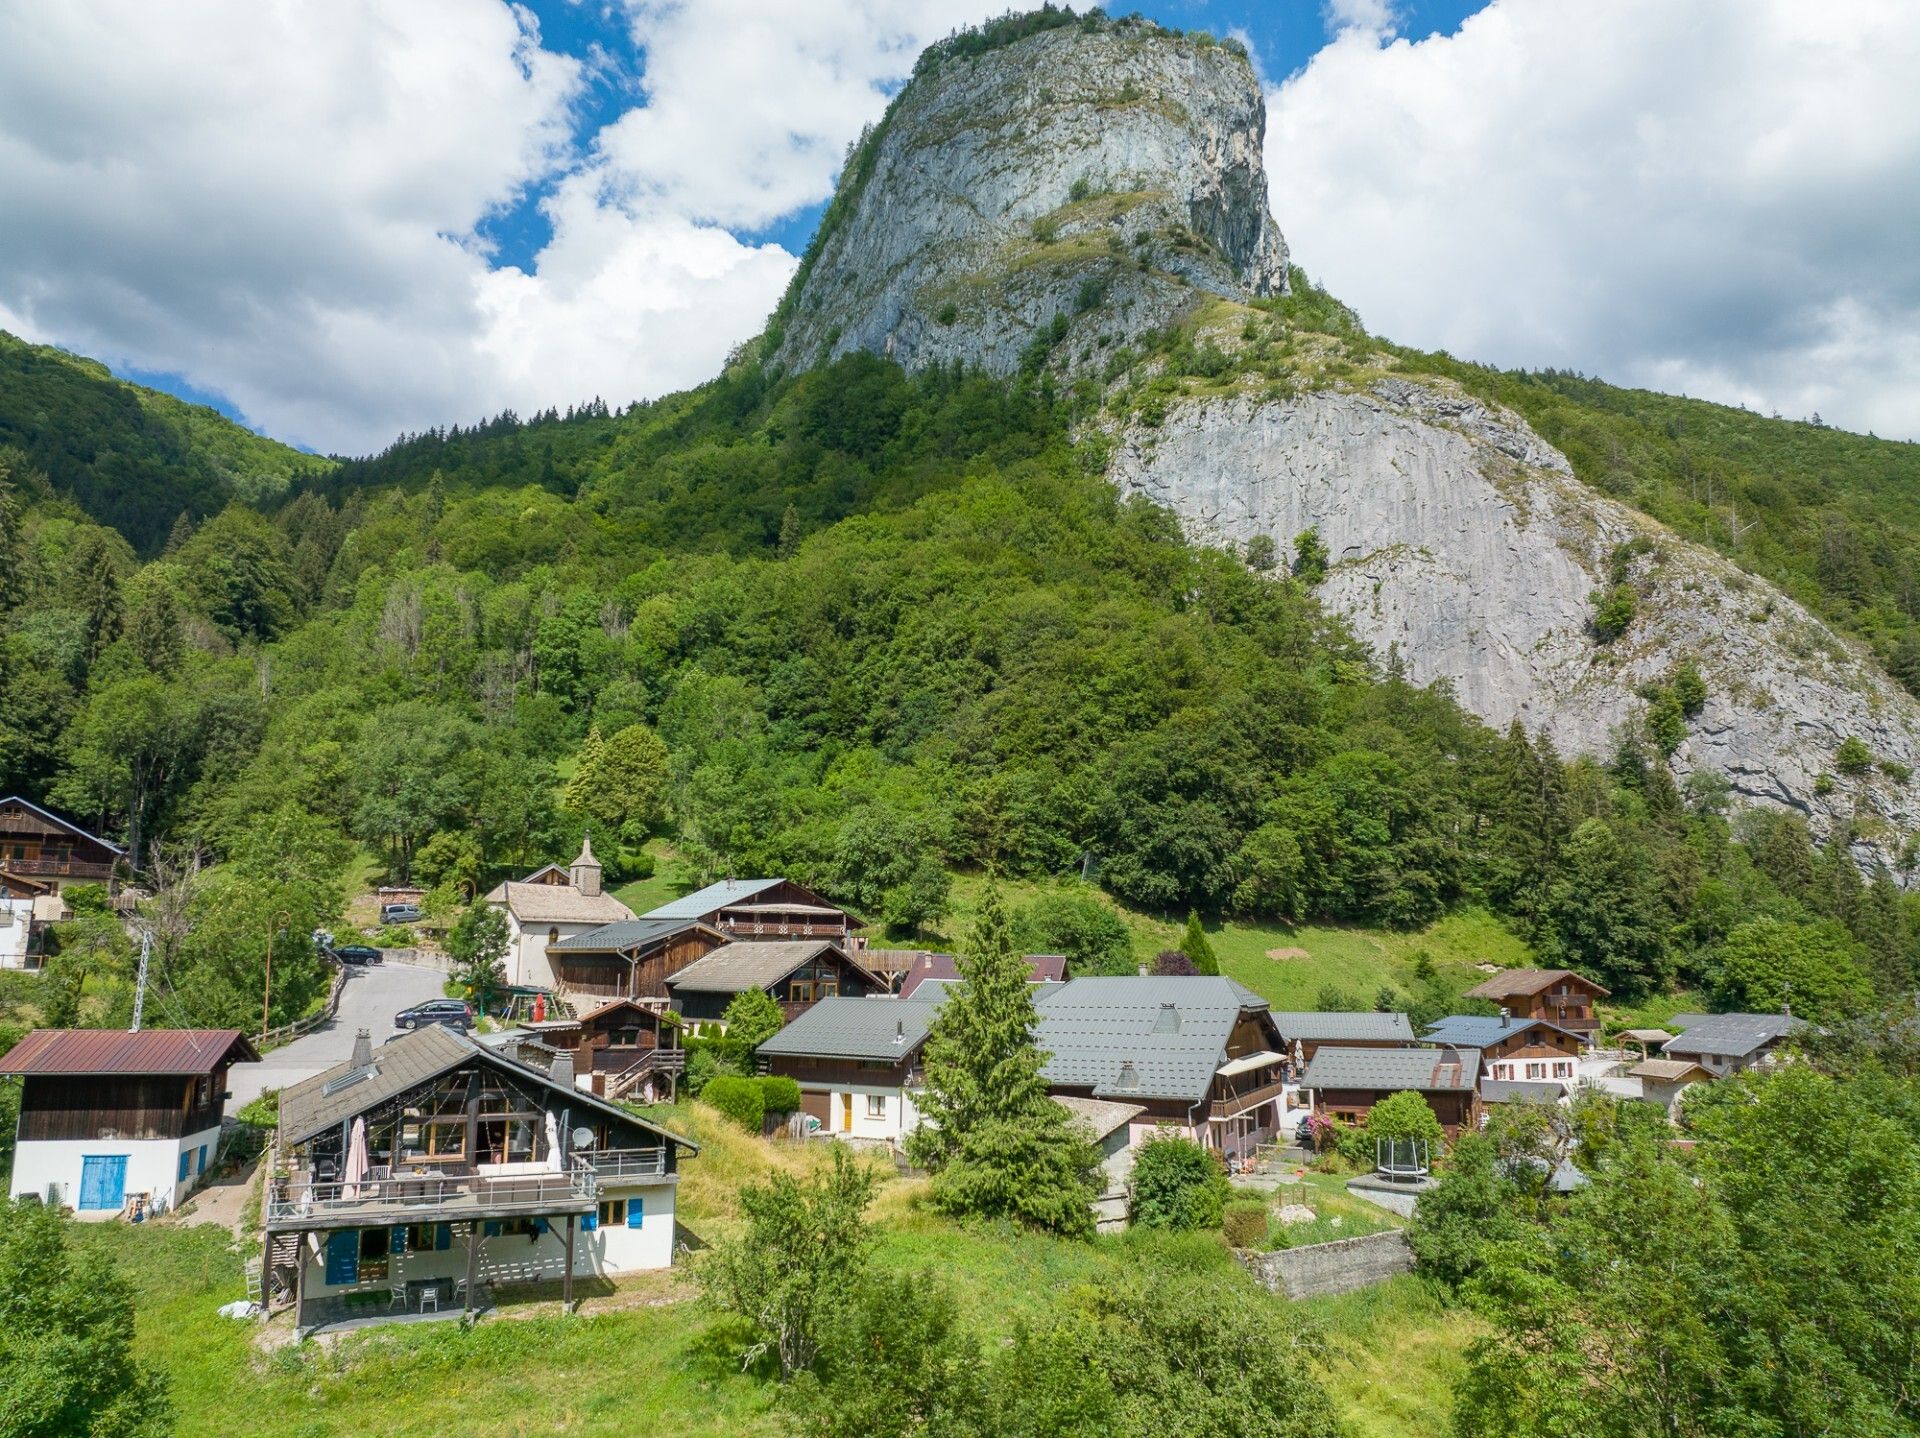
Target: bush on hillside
[1177,1184]
[779,1094]
[740,1099]
[1245,1223]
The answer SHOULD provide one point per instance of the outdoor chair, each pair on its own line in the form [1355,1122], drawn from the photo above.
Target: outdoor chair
[430,1298]
[399,1297]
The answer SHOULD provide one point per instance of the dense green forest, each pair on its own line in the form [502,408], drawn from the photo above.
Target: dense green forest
[856,626]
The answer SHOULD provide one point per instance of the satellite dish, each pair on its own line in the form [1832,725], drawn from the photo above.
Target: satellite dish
[583,1138]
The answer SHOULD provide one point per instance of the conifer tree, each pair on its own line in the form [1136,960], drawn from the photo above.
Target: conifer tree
[178,536]
[999,1146]
[1194,945]
[578,795]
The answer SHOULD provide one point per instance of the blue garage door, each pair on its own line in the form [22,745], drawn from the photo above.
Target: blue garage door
[103,1180]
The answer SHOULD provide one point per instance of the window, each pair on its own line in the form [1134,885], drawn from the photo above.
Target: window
[1536,1071]
[613,1212]
[425,1237]
[876,1105]
[437,1138]
[376,1244]
[1563,1070]
[800,991]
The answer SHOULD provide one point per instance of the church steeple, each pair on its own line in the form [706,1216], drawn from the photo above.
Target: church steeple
[586,869]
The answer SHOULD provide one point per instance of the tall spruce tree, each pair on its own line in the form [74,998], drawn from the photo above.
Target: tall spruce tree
[998,1145]
[1193,943]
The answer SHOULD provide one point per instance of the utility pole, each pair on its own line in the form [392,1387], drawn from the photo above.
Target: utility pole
[140,980]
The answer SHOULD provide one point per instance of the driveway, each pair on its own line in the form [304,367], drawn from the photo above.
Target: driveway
[372,996]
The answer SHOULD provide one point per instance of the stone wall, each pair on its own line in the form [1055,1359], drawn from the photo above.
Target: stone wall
[1337,1267]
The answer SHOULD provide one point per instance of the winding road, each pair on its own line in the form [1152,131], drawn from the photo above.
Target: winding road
[371,998]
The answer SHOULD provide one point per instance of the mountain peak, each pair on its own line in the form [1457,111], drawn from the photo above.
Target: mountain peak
[1046,196]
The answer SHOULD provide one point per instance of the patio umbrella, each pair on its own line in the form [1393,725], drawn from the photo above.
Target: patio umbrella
[355,1173]
[556,1155]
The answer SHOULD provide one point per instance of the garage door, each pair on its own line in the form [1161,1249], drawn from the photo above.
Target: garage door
[814,1105]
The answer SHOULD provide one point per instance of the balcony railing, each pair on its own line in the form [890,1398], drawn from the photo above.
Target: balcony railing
[784,928]
[59,868]
[623,1163]
[1239,1103]
[431,1196]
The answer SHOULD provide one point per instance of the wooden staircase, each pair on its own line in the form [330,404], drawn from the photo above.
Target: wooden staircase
[655,1062]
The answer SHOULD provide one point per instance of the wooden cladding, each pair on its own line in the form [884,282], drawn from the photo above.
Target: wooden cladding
[117,1107]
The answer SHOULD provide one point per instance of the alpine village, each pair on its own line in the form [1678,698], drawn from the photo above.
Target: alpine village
[962,877]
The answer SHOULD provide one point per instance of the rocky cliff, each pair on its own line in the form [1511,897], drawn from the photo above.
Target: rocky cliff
[1094,202]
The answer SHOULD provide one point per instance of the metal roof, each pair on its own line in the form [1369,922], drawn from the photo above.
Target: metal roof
[1446,1070]
[1733,1034]
[702,902]
[1171,1031]
[1480,1032]
[1513,983]
[115,1051]
[847,1028]
[409,1060]
[1315,1028]
[1521,1091]
[1041,969]
[751,964]
[626,934]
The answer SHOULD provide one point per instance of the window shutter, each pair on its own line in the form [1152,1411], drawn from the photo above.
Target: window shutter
[186,1159]
[589,1222]
[540,1226]
[442,1237]
[343,1257]
[399,1240]
[636,1211]
[490,1229]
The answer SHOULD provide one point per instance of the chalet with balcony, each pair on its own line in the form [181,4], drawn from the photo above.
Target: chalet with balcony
[1559,996]
[38,844]
[113,1122]
[1305,1032]
[1727,1043]
[1346,1083]
[795,973]
[413,1178]
[761,909]
[1198,1054]
[549,907]
[630,959]
[621,1049]
[1514,1050]
[857,1062]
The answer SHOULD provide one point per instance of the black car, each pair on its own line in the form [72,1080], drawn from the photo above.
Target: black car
[454,1013]
[399,913]
[359,954]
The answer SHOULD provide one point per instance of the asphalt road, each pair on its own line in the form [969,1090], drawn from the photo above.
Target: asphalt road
[371,998]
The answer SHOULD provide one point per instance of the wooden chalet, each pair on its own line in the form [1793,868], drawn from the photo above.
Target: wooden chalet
[796,973]
[112,1121]
[1559,996]
[1347,1082]
[1515,1050]
[416,1176]
[624,1048]
[761,909]
[857,1062]
[630,959]
[37,844]
[1306,1032]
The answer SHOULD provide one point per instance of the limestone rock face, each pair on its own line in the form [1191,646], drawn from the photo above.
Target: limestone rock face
[1460,540]
[1114,177]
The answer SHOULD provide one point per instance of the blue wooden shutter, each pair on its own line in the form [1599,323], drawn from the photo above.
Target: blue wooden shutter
[442,1237]
[343,1257]
[490,1229]
[636,1211]
[589,1222]
[203,1158]
[399,1241]
[186,1166]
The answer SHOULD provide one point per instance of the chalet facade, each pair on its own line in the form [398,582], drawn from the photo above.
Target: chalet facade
[630,959]
[1346,1083]
[857,1062]
[38,844]
[1558,996]
[113,1122]
[795,973]
[621,1049]
[1305,1032]
[1727,1043]
[761,909]
[548,907]
[417,1175]
[1514,1050]
[1664,1081]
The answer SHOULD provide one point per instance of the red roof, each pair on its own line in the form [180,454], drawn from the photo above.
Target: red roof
[115,1051]
[1041,969]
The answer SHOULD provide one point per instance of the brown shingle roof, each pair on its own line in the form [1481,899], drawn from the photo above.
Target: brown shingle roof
[558,904]
[115,1051]
[1525,983]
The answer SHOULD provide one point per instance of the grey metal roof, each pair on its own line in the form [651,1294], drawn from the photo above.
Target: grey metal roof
[1446,1070]
[1733,1034]
[750,964]
[409,1060]
[1520,1091]
[846,1028]
[1480,1032]
[702,902]
[1315,1028]
[1172,1030]
[626,934]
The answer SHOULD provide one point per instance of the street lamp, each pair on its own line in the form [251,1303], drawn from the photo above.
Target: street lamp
[266,1000]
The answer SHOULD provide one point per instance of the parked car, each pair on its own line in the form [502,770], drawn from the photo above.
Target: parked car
[1303,1134]
[454,1013]
[399,913]
[359,954]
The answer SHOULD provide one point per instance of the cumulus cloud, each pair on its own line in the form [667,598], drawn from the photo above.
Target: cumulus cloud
[284,203]
[1716,198]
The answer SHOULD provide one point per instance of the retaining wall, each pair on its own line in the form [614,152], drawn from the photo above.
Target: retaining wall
[1337,1267]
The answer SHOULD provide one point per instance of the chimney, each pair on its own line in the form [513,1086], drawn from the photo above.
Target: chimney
[363,1050]
[1129,1075]
[900,1031]
[586,870]
[1143,971]
[561,1071]
[1167,1021]
[1505,1012]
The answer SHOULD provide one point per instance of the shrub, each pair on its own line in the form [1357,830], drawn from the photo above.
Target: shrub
[1245,1223]
[947,313]
[1177,1184]
[1403,1115]
[1690,689]
[1309,557]
[779,1094]
[1613,612]
[740,1099]
[1079,190]
[1262,553]
[264,1111]
[1852,757]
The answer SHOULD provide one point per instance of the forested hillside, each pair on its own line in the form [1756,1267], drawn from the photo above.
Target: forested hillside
[130,457]
[857,627]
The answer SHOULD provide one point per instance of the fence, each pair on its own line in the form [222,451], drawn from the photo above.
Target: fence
[287,1033]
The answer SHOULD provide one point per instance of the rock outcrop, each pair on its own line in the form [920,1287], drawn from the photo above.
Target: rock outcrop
[1054,201]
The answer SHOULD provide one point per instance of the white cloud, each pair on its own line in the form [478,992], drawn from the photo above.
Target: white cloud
[283,202]
[1370,17]
[1718,198]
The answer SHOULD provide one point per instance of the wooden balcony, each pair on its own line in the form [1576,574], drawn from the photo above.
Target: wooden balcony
[433,1195]
[1240,1103]
[783,928]
[57,868]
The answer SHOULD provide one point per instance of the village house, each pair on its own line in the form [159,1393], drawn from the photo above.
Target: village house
[1347,1082]
[630,959]
[857,1062]
[894,965]
[113,1122]
[547,907]
[795,973]
[942,968]
[1514,1049]
[1304,1032]
[1663,1081]
[1727,1043]
[1109,1126]
[761,909]
[42,856]
[413,1178]
[621,1049]
[1559,996]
